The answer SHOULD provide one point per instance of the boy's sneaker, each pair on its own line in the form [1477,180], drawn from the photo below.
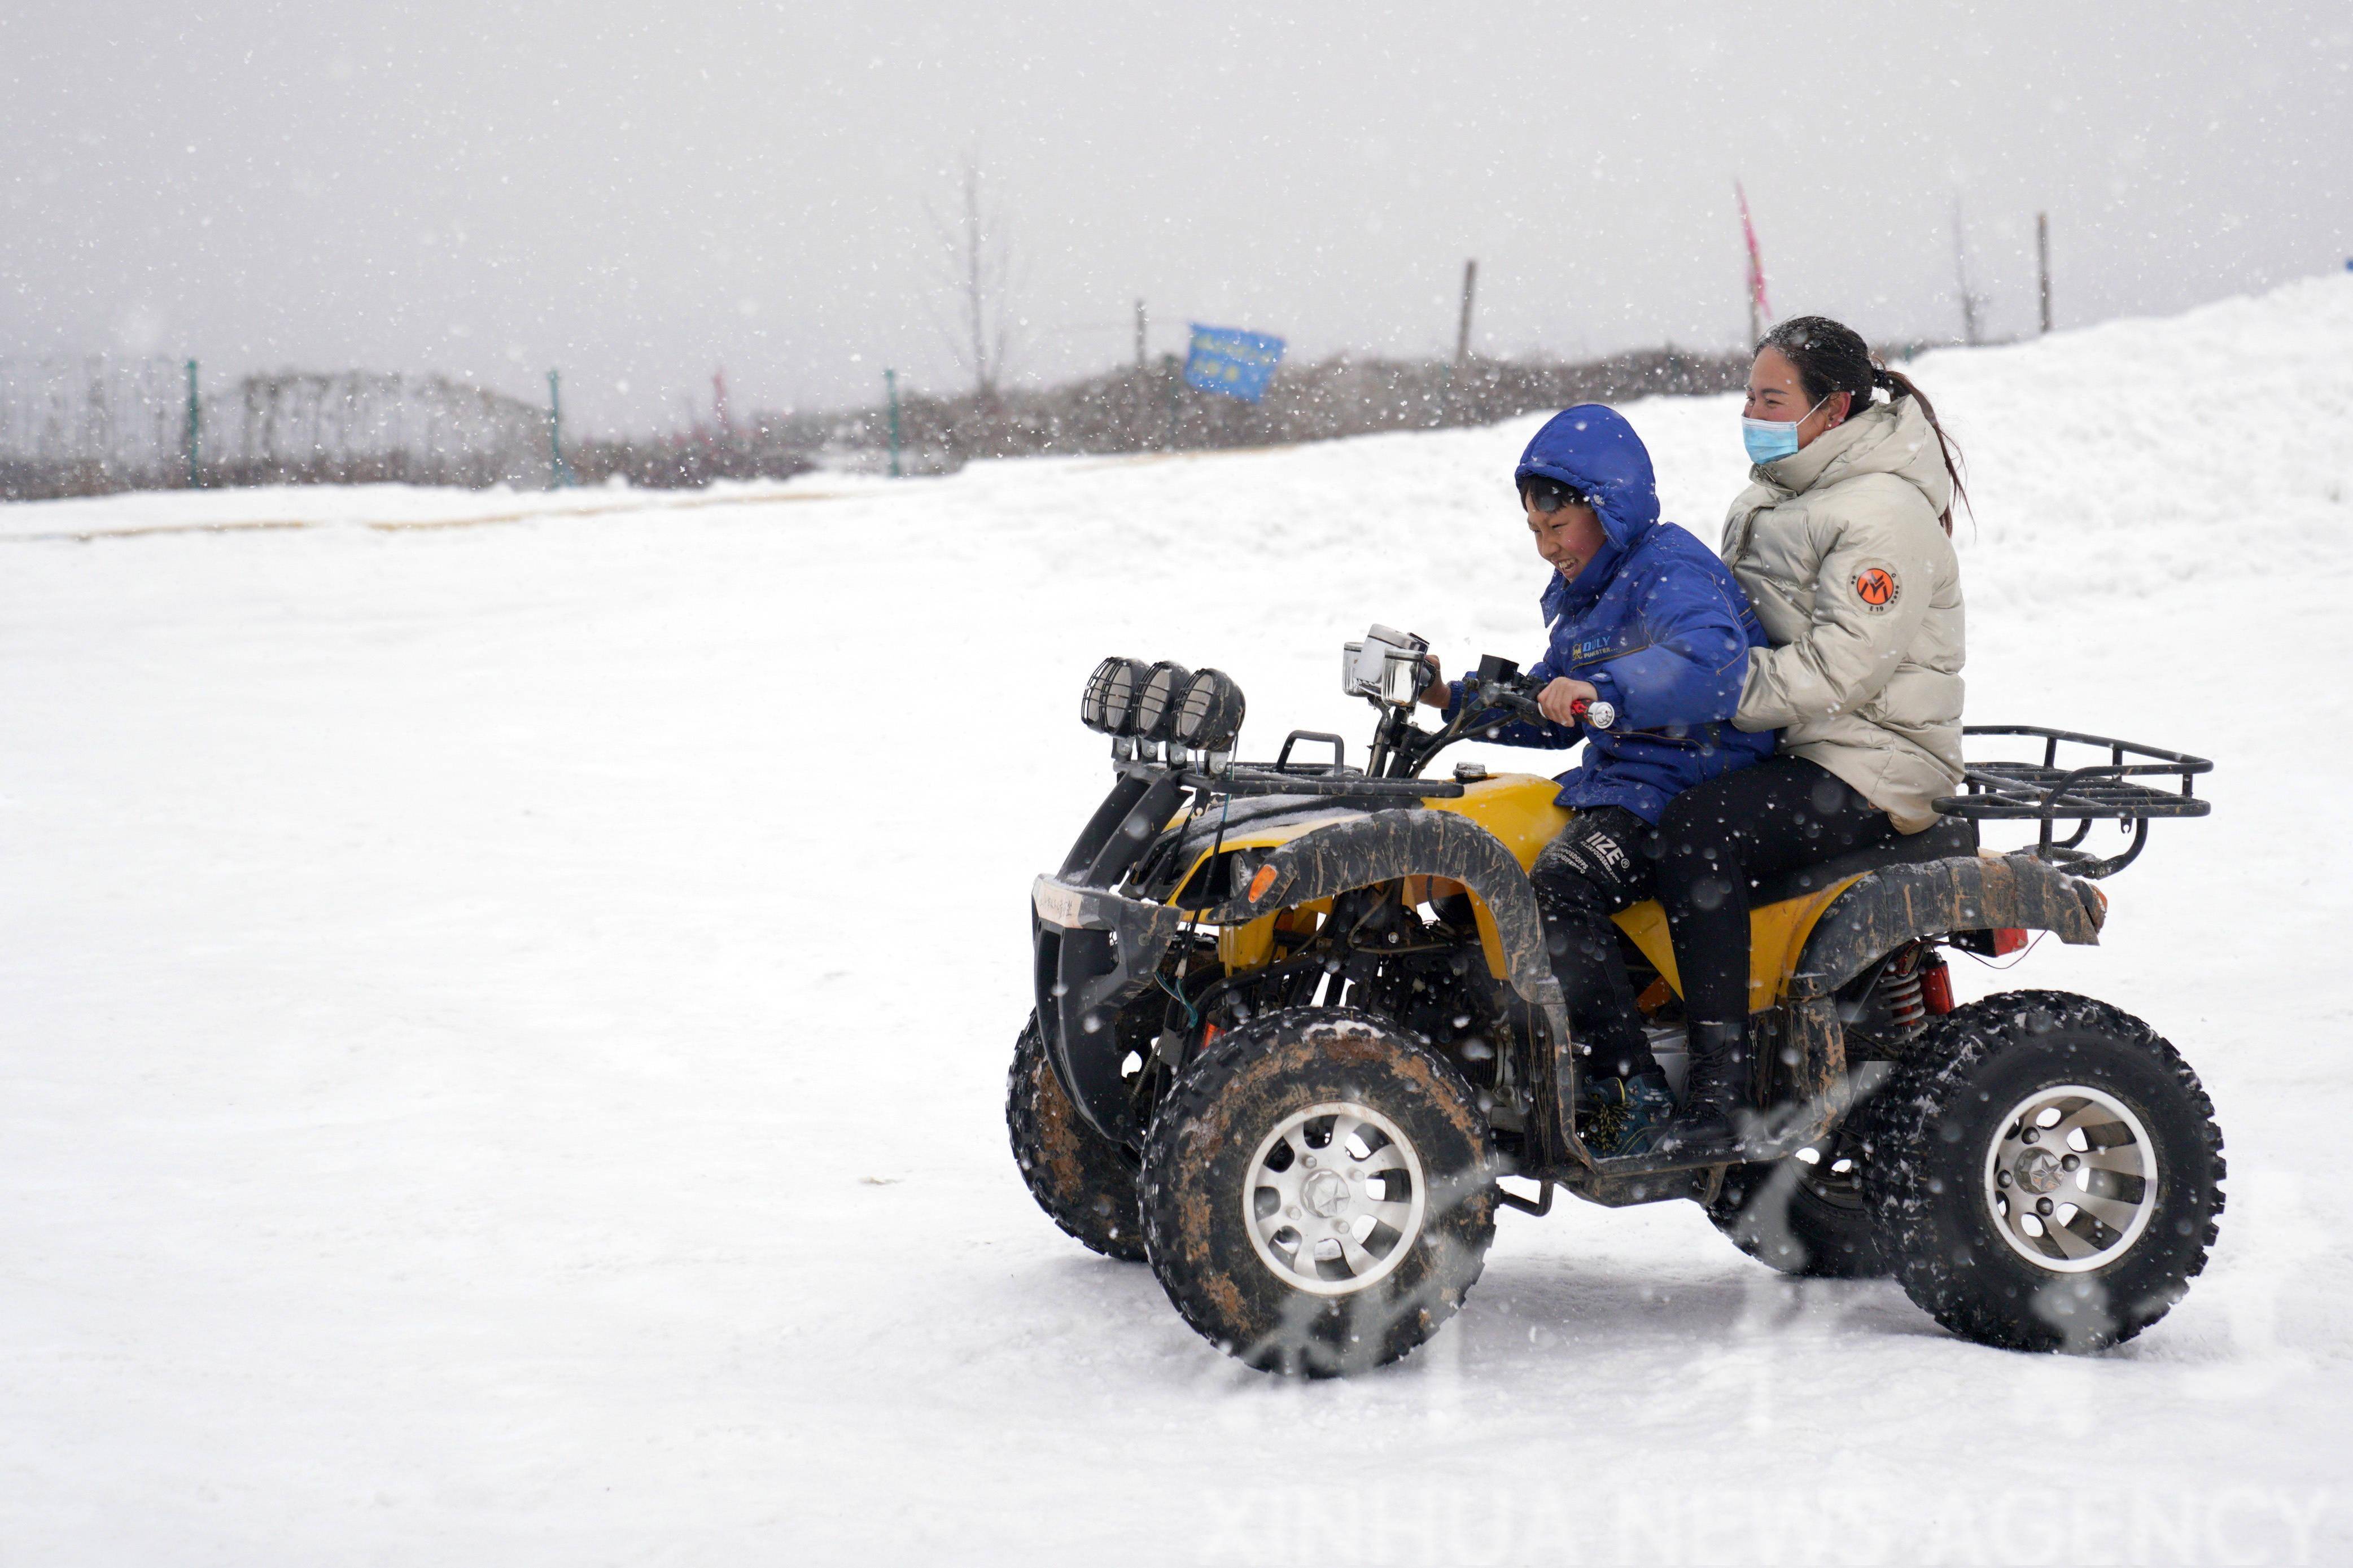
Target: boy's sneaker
[1623,1115]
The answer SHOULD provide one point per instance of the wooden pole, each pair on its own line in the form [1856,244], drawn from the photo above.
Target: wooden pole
[2043,262]
[1139,334]
[1462,332]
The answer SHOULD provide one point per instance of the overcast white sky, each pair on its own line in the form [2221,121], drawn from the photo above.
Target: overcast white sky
[639,192]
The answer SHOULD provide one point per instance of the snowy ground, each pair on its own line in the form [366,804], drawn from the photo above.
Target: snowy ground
[504,1025]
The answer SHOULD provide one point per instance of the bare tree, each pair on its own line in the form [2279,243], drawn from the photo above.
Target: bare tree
[1972,302]
[976,274]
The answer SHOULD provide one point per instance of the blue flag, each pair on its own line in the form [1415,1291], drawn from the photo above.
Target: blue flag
[1235,362]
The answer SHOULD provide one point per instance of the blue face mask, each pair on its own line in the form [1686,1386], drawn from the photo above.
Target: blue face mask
[1770,440]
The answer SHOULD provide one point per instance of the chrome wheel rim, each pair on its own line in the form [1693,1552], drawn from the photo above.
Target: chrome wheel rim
[2070,1178]
[1334,1198]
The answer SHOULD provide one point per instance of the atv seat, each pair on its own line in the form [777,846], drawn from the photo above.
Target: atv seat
[1951,835]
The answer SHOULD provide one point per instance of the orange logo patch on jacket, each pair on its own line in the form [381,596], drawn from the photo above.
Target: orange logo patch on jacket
[1877,587]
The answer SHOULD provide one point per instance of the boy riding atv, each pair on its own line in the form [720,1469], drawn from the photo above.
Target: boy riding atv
[1645,618]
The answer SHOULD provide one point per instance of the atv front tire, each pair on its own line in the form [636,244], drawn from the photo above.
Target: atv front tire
[1318,1192]
[2049,1173]
[1083,1181]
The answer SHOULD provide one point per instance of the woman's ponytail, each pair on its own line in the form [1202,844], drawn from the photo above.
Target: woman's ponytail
[1899,385]
[1830,357]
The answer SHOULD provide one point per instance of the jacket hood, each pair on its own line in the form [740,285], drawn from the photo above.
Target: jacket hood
[1592,448]
[1887,438]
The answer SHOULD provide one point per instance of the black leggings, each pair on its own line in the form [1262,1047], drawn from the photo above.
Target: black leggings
[1719,838]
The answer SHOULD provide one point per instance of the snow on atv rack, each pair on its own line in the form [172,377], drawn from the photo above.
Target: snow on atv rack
[2051,791]
[1336,778]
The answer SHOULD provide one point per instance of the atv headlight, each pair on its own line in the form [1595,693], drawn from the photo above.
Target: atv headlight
[1108,703]
[1209,716]
[1156,704]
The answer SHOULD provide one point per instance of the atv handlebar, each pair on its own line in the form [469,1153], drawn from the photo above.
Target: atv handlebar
[1512,696]
[1519,698]
[1498,694]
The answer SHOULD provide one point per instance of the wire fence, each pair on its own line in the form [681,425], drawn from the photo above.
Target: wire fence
[97,424]
[65,423]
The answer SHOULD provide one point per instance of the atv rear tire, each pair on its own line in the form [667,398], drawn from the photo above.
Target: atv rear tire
[1318,1192]
[1083,1181]
[2049,1173]
[1806,1217]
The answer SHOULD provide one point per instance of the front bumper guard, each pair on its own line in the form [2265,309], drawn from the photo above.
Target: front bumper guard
[1096,953]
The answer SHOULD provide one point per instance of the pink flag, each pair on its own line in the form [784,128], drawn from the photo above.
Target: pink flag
[1760,306]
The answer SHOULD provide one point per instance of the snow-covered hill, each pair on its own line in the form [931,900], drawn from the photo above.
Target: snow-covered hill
[505,1002]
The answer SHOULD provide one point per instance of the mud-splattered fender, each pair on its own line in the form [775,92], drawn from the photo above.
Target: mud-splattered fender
[1968,892]
[1383,846]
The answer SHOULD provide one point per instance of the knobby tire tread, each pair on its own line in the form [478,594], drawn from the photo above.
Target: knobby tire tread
[1931,1088]
[1190,1104]
[1823,1242]
[1084,1184]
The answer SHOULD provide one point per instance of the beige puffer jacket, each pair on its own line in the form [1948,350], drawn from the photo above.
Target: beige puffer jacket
[1859,589]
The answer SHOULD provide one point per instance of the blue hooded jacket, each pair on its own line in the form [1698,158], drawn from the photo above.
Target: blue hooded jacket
[1654,622]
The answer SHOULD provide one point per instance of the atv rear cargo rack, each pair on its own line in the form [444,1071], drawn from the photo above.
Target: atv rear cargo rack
[2083,792]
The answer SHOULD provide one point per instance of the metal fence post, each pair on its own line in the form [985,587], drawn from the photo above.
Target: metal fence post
[193,429]
[2042,264]
[891,384]
[556,477]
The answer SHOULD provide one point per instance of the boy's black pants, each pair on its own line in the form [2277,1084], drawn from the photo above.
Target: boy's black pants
[1605,860]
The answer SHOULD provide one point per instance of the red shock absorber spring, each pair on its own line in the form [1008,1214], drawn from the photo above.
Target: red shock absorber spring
[1901,989]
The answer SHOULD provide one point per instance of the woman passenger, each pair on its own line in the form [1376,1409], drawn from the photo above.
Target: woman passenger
[1842,543]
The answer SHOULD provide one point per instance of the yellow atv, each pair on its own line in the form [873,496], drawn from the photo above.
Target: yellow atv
[1295,1023]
